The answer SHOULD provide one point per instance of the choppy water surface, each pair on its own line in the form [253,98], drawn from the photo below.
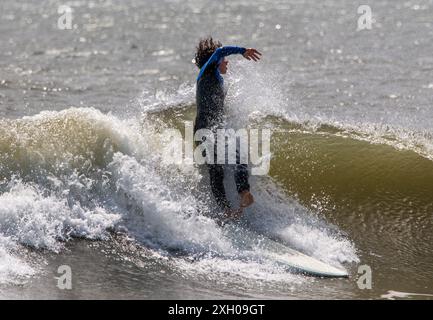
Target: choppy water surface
[82,177]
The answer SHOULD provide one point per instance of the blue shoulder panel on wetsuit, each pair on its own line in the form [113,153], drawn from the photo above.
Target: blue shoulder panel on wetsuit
[218,55]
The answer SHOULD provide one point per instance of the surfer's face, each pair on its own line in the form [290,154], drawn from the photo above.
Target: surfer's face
[223,66]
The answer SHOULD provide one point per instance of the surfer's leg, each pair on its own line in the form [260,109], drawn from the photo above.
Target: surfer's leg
[241,178]
[216,175]
[216,181]
[241,175]
[242,184]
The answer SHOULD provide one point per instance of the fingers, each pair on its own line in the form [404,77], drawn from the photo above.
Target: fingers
[253,54]
[256,52]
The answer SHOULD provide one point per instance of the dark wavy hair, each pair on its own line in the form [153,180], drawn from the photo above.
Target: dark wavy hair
[205,49]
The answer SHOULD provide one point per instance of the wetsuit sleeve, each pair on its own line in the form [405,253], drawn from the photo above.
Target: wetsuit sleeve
[228,50]
[219,54]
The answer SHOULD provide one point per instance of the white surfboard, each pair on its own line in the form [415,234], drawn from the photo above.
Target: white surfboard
[294,260]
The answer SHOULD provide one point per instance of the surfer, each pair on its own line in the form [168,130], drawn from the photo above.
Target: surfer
[210,59]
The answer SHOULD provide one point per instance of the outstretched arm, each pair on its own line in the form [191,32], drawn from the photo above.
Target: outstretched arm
[224,52]
[228,50]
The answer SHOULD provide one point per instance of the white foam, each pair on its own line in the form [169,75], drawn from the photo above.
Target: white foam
[392,295]
[13,270]
[165,99]
[164,216]
[255,93]
[158,205]
[28,217]
[279,217]
[39,221]
[231,270]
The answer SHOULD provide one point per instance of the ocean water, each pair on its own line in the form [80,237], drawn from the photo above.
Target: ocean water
[83,181]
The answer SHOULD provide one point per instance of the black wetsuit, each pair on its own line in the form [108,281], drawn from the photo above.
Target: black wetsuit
[210,115]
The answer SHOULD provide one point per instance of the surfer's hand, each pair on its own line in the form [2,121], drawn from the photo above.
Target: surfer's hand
[251,53]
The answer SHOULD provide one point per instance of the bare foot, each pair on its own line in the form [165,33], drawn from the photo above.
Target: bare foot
[247,199]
